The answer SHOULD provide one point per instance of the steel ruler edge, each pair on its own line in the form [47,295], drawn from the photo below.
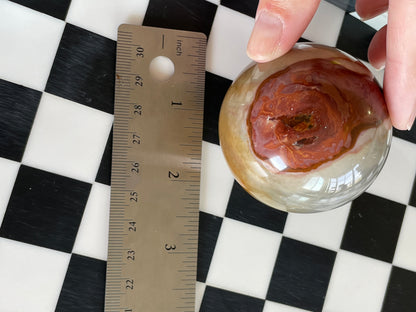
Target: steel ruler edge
[155,175]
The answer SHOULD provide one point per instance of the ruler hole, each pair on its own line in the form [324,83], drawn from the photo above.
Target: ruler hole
[161,68]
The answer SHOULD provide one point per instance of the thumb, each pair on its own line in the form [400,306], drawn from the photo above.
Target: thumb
[278,25]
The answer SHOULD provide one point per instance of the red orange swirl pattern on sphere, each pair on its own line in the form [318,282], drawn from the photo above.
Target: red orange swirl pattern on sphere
[312,112]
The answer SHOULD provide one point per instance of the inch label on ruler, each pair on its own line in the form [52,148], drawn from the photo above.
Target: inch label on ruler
[156,165]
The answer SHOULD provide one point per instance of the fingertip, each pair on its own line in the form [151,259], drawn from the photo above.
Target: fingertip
[369,9]
[259,57]
[265,40]
[358,9]
[400,102]
[377,49]
[278,25]
[402,123]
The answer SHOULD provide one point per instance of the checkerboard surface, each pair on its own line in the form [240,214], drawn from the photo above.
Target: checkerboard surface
[56,112]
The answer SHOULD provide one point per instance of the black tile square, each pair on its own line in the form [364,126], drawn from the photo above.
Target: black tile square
[104,171]
[55,8]
[220,300]
[354,37]
[301,275]
[84,69]
[248,7]
[45,209]
[18,106]
[346,5]
[209,228]
[405,134]
[401,290]
[194,15]
[412,200]
[301,39]
[84,286]
[243,207]
[215,89]
[373,227]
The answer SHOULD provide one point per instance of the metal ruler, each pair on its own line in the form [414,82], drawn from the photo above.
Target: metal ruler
[158,115]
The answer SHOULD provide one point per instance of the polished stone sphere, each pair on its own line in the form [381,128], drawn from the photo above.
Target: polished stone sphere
[307,132]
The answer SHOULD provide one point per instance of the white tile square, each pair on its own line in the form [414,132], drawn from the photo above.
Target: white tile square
[67,138]
[324,229]
[199,295]
[270,306]
[244,258]
[358,284]
[29,40]
[405,255]
[8,173]
[216,180]
[92,237]
[325,25]
[227,43]
[31,276]
[217,2]
[401,167]
[104,16]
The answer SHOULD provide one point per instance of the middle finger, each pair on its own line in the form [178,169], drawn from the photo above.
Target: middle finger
[367,9]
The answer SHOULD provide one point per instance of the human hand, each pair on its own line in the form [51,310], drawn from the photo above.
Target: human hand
[280,23]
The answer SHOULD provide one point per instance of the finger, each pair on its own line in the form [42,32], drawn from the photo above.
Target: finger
[377,49]
[368,9]
[400,72]
[279,24]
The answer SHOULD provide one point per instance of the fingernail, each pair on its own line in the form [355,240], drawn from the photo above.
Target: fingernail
[264,41]
[364,19]
[380,66]
[411,121]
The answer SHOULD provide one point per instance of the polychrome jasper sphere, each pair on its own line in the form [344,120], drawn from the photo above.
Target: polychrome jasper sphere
[307,132]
